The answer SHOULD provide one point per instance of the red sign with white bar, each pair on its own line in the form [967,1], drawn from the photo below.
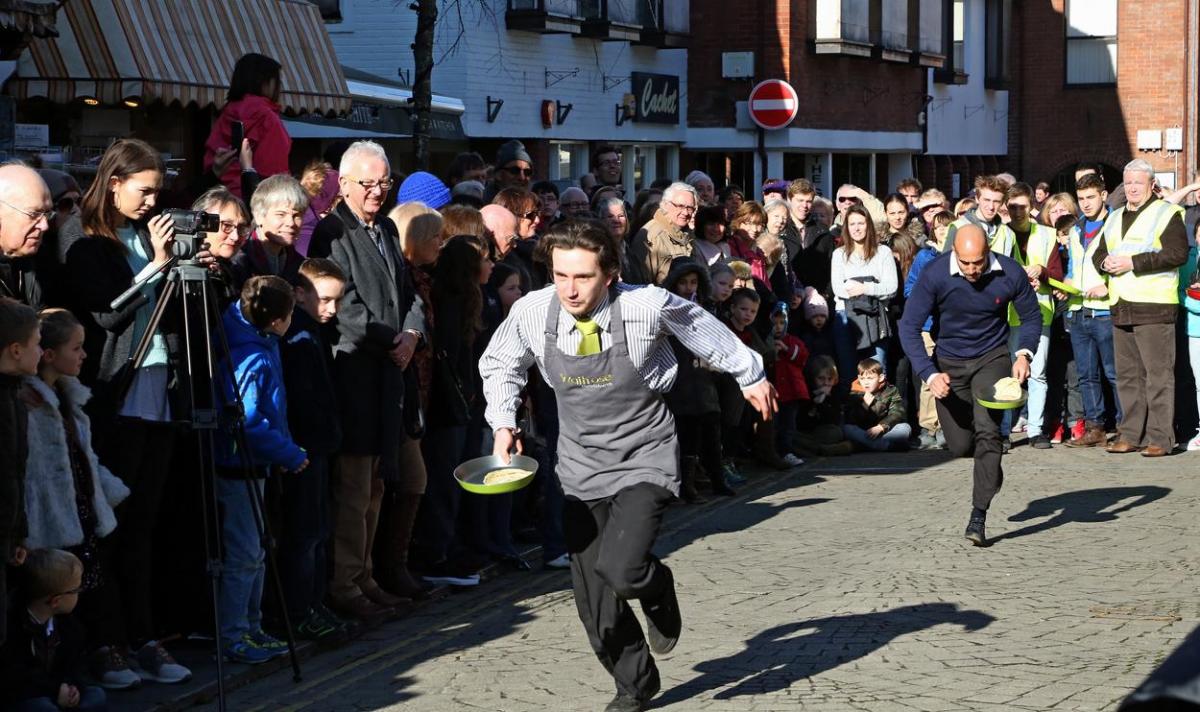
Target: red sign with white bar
[773,104]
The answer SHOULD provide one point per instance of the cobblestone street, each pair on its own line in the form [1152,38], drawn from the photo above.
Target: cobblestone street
[845,585]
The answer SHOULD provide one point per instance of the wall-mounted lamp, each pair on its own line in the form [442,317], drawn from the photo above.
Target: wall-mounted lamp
[132,102]
[90,101]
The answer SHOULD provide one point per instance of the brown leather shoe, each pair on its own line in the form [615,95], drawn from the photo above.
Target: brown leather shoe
[1093,436]
[1153,451]
[1121,447]
[360,607]
[382,598]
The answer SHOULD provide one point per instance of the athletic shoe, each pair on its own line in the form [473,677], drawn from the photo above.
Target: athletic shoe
[559,562]
[927,441]
[1057,437]
[1005,445]
[112,671]
[448,574]
[1019,427]
[1194,444]
[1079,429]
[246,652]
[156,664]
[268,642]
[733,476]
[941,439]
[315,627]
[332,619]
[1041,442]
[792,460]
[663,620]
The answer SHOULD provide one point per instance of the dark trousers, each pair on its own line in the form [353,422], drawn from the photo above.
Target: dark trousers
[303,541]
[1145,357]
[437,519]
[545,413]
[700,437]
[139,452]
[609,541]
[968,426]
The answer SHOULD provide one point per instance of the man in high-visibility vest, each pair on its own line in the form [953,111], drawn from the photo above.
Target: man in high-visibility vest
[1033,247]
[1088,317]
[990,192]
[1142,246]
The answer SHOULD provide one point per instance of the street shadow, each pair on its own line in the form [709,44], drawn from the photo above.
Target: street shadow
[1094,505]
[778,657]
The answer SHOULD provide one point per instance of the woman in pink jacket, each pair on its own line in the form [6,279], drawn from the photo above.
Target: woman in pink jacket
[253,100]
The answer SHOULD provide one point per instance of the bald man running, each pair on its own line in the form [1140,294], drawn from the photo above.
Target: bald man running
[967,292]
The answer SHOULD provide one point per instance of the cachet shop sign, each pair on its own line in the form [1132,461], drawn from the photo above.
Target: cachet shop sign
[657,98]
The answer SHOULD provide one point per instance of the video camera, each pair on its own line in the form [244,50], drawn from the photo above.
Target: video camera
[190,226]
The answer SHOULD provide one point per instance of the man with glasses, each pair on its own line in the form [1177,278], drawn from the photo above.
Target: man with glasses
[849,195]
[574,203]
[25,213]
[606,166]
[667,235]
[379,326]
[514,169]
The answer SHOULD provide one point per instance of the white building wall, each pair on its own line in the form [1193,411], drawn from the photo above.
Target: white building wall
[969,119]
[490,60]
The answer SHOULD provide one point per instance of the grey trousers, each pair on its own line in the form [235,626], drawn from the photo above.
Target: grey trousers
[1145,357]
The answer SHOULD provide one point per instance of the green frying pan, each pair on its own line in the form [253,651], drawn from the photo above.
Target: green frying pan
[987,399]
[470,474]
[1063,286]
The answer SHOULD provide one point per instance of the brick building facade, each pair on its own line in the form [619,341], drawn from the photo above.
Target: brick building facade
[1072,102]
[861,87]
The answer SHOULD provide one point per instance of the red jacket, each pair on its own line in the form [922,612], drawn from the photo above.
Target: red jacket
[262,125]
[789,370]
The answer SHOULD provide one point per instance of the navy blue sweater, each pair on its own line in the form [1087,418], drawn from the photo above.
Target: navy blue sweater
[969,319]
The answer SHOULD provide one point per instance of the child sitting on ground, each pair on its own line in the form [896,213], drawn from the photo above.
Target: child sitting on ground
[875,417]
[41,661]
[819,420]
[253,325]
[19,356]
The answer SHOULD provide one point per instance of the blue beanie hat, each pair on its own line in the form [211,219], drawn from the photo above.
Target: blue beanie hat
[422,187]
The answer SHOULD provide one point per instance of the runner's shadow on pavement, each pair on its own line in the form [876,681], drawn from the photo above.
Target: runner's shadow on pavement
[1094,505]
[778,657]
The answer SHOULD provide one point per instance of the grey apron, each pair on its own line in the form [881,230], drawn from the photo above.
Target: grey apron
[614,431]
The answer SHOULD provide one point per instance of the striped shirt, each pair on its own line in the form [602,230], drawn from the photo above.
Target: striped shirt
[651,314]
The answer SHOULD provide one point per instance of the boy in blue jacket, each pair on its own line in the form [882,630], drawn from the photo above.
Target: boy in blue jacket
[253,326]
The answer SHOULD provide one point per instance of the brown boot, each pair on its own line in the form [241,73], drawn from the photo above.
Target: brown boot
[764,447]
[396,534]
[687,488]
[1094,435]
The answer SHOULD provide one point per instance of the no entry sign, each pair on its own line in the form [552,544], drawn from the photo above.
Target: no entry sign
[773,104]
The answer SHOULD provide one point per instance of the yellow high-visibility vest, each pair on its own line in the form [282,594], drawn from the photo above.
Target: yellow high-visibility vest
[1002,241]
[1144,236]
[1037,252]
[1084,275]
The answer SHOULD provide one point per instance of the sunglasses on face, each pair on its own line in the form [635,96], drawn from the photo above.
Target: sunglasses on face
[518,171]
[847,199]
[531,215]
[67,204]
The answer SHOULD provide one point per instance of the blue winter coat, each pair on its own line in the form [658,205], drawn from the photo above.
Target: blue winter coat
[259,373]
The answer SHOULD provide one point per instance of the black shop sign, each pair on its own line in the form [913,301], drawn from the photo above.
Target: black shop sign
[657,98]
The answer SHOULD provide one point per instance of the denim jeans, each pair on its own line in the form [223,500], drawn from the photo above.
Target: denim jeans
[304,538]
[240,596]
[1037,381]
[91,699]
[1194,357]
[894,440]
[1092,341]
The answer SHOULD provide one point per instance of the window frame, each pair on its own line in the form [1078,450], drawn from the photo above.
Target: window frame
[951,73]
[1067,39]
[998,39]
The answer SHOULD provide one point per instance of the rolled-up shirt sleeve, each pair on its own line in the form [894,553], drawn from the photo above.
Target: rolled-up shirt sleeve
[705,336]
[504,366]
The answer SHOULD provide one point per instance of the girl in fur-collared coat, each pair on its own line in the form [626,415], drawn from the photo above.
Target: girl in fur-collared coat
[69,495]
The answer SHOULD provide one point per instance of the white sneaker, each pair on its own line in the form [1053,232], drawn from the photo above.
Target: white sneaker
[1194,443]
[155,664]
[560,562]
[111,670]
[1019,427]
[792,460]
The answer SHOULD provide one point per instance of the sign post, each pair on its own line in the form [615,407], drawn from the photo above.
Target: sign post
[773,105]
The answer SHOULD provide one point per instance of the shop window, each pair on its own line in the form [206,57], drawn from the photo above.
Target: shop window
[998,22]
[1091,42]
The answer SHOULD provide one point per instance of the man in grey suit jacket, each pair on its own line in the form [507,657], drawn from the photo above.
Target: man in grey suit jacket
[379,326]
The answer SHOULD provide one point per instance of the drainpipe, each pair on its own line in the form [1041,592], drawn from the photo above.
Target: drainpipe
[1193,92]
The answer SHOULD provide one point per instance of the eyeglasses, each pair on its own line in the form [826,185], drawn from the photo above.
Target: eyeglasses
[370,185]
[34,215]
[228,227]
[67,204]
[72,592]
[518,171]
[681,208]
[575,206]
[610,163]
[532,214]
[847,199]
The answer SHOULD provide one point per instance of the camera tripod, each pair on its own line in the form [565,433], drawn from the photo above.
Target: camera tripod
[189,286]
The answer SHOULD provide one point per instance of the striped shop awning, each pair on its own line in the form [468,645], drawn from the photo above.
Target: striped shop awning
[181,51]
